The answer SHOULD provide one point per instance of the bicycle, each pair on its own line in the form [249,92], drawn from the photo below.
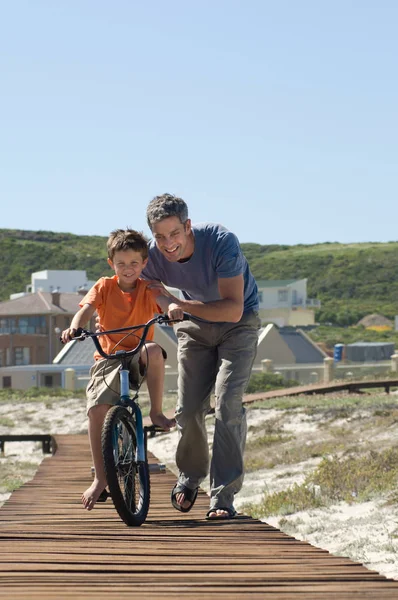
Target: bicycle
[124,438]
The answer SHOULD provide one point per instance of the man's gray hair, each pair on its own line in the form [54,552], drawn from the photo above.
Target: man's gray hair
[167,205]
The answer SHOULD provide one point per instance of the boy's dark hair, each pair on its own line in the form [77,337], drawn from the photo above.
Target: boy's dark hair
[127,239]
[167,205]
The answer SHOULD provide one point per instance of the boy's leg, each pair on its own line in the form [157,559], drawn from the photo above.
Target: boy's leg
[102,392]
[153,360]
[96,417]
[196,376]
[237,351]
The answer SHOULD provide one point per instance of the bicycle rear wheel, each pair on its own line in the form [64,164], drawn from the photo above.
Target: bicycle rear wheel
[128,481]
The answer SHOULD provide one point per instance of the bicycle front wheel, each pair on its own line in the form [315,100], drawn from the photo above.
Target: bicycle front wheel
[128,481]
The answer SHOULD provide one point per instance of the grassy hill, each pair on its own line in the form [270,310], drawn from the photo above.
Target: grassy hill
[24,252]
[351,280]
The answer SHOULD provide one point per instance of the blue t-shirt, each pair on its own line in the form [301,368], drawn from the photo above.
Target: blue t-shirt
[217,254]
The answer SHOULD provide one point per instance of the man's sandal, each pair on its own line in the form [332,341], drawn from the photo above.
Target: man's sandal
[189,495]
[231,513]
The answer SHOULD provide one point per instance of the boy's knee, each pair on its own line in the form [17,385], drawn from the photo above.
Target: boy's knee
[155,353]
[98,411]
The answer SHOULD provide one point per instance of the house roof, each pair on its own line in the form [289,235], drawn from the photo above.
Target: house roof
[270,283]
[303,349]
[82,352]
[169,331]
[76,353]
[40,303]
[375,319]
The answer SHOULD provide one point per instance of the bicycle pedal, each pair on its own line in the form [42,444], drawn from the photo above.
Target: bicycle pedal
[157,468]
[104,495]
[152,430]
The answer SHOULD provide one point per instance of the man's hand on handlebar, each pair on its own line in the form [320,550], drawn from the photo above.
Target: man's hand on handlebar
[175,312]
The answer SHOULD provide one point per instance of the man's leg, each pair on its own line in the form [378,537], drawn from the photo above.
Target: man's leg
[236,351]
[196,376]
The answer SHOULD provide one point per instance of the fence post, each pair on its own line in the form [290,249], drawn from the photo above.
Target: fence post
[267,365]
[328,371]
[69,379]
[394,363]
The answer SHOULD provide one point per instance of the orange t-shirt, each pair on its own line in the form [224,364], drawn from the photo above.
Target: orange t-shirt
[118,309]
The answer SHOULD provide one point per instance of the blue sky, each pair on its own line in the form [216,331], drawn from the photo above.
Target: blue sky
[277,119]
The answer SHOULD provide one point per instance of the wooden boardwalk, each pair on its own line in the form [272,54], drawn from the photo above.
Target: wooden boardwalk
[352,386]
[51,548]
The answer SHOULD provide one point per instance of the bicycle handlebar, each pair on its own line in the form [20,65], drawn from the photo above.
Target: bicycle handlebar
[82,334]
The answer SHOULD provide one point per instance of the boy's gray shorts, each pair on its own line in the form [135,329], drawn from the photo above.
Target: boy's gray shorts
[104,384]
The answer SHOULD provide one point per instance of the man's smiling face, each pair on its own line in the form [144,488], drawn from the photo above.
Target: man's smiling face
[173,238]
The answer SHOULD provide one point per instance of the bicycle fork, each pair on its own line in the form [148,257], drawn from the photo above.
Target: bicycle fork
[125,398]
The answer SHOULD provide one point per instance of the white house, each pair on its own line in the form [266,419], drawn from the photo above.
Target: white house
[285,302]
[56,281]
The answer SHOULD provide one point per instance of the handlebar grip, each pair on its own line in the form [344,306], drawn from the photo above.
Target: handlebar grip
[165,318]
[79,332]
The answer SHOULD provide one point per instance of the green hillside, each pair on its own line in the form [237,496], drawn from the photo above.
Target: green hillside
[351,280]
[24,252]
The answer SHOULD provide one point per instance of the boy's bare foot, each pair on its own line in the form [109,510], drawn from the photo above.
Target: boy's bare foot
[160,420]
[91,495]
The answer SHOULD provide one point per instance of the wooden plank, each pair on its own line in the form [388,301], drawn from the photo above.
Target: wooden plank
[51,548]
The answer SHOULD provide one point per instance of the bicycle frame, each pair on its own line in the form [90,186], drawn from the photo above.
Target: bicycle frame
[123,435]
[122,355]
[126,401]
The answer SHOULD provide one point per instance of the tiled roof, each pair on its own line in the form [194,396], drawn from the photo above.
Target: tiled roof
[82,352]
[303,349]
[76,353]
[169,331]
[40,303]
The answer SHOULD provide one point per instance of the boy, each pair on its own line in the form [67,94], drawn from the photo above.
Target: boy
[121,301]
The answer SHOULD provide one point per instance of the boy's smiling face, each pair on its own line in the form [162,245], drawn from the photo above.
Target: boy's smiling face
[128,266]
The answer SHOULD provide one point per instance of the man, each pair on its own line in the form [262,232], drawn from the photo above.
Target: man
[216,348]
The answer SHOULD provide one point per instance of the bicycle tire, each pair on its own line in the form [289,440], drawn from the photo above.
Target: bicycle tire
[128,482]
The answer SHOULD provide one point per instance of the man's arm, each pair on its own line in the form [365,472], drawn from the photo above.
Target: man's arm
[229,308]
[81,318]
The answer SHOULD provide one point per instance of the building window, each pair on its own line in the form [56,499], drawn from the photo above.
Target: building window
[283,296]
[22,356]
[7,326]
[6,381]
[32,324]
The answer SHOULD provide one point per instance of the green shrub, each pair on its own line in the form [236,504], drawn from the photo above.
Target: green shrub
[262,382]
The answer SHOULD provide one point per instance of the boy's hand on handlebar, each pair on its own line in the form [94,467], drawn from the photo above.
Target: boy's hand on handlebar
[67,335]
